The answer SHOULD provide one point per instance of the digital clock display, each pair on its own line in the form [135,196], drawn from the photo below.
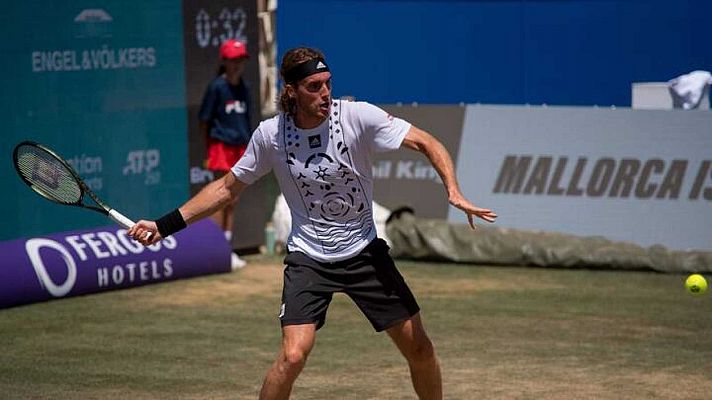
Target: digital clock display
[213,30]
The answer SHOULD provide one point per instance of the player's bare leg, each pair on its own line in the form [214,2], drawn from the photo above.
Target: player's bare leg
[297,342]
[416,347]
[218,217]
[223,217]
[228,217]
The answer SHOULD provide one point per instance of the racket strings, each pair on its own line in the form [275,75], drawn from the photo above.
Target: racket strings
[47,175]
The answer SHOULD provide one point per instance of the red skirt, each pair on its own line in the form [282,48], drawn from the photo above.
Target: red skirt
[221,156]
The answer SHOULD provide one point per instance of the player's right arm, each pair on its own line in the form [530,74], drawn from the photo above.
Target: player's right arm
[211,198]
[251,166]
[214,196]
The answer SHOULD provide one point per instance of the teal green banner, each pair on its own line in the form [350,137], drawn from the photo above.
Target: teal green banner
[102,83]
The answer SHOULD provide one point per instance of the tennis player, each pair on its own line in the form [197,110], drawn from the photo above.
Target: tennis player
[321,151]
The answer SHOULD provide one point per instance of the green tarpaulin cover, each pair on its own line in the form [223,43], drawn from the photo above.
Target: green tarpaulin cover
[439,240]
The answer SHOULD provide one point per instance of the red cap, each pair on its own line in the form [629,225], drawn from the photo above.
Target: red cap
[232,48]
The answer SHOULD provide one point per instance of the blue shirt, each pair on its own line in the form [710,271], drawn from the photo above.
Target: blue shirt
[226,109]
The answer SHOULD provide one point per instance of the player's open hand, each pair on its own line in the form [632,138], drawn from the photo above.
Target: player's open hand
[145,232]
[459,201]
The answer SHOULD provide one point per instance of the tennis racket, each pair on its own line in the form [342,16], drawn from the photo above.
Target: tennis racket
[50,176]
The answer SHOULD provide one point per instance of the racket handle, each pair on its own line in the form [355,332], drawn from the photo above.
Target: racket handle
[124,221]
[121,219]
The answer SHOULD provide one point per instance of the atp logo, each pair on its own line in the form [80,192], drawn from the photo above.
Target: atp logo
[144,162]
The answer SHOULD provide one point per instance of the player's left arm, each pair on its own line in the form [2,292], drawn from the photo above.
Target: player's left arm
[420,140]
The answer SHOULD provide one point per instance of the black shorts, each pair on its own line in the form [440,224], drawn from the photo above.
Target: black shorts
[370,278]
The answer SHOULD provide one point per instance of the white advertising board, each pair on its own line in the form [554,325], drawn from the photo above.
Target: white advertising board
[642,176]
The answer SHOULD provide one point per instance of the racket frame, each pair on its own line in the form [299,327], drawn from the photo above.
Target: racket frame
[83,188]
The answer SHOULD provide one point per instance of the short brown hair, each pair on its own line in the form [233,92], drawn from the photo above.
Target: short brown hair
[291,59]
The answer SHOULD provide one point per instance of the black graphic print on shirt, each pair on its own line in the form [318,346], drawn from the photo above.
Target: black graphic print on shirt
[322,169]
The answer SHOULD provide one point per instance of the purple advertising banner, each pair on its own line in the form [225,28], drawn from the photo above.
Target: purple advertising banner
[95,260]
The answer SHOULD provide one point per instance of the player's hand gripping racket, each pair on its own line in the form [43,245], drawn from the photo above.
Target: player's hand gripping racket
[53,178]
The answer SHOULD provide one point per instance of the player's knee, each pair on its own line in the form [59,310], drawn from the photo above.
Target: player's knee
[421,351]
[294,358]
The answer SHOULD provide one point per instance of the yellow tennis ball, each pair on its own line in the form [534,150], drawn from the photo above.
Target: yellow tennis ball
[696,284]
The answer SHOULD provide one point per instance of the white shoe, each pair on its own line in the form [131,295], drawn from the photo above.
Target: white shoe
[237,262]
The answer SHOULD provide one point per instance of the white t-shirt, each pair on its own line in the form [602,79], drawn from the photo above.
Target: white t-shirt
[325,174]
